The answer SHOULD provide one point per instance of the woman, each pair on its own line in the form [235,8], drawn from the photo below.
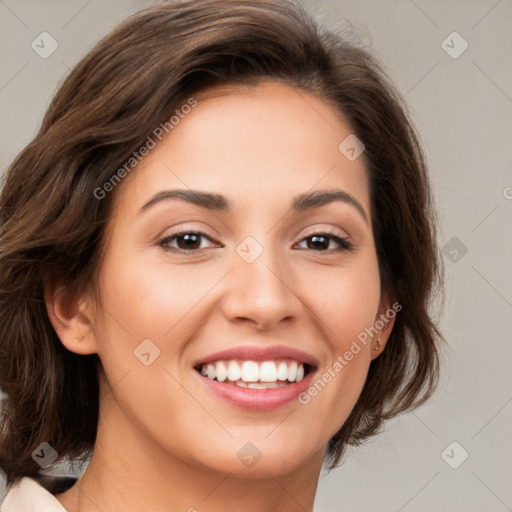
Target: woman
[217,259]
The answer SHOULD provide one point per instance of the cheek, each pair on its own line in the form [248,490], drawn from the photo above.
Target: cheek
[158,302]
[346,313]
[152,301]
[346,301]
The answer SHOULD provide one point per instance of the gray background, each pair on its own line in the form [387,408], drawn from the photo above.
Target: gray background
[463,109]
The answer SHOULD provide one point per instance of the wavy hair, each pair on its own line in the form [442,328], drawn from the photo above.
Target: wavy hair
[52,224]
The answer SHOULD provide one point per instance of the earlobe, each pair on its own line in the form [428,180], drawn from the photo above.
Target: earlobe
[70,316]
[378,346]
[384,321]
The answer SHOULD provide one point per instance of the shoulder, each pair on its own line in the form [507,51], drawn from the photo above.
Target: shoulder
[36,494]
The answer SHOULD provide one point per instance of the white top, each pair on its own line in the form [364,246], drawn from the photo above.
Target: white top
[28,495]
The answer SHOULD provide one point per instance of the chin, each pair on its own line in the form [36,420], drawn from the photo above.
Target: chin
[258,459]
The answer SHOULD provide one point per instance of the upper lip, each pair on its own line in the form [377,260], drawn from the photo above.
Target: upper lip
[258,353]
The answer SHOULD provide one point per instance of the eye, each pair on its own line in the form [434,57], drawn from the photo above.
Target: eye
[323,242]
[189,241]
[185,240]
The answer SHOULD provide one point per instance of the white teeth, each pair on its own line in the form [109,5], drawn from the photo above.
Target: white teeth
[292,371]
[282,371]
[250,372]
[257,385]
[222,371]
[300,373]
[265,385]
[265,374]
[268,372]
[211,371]
[233,371]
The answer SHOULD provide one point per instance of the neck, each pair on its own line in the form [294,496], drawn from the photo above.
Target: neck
[131,473]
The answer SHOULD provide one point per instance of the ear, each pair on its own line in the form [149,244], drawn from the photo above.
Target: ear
[71,316]
[384,321]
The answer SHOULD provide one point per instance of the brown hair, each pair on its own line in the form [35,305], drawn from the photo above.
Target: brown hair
[51,224]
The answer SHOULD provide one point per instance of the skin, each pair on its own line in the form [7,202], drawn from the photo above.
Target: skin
[165,443]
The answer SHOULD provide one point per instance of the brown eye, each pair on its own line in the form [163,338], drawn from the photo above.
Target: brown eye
[322,242]
[186,241]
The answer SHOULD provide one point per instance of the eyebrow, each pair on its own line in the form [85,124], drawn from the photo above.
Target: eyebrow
[218,202]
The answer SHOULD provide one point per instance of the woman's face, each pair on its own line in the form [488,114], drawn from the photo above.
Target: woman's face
[259,275]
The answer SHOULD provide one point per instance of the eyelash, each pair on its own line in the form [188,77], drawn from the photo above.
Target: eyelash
[345,244]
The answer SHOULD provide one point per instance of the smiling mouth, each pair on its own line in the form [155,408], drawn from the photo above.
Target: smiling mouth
[255,374]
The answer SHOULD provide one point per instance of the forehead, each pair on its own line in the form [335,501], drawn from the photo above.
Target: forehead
[263,142]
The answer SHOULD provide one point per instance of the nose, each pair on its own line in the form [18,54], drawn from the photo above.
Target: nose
[261,293]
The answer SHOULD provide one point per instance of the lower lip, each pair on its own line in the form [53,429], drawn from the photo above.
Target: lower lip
[257,399]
